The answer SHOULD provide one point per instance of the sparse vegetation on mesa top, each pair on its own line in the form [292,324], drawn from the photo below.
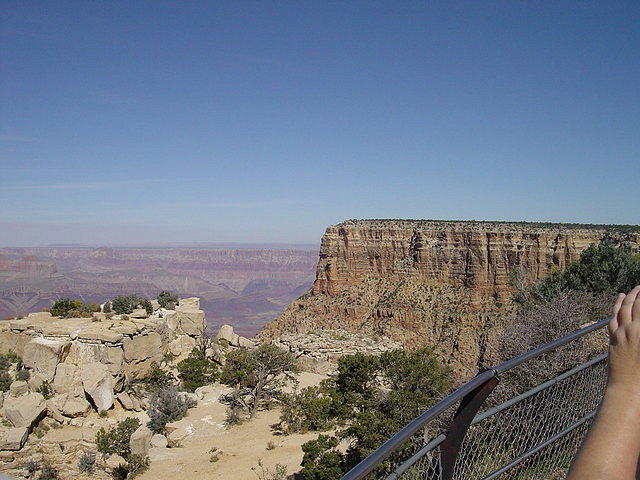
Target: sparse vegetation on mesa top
[545,225]
[368,400]
[68,308]
[168,299]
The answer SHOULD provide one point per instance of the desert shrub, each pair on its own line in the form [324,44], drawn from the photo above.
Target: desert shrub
[543,322]
[48,472]
[146,304]
[41,430]
[32,467]
[5,363]
[23,375]
[311,409]
[168,300]
[603,268]
[13,357]
[116,439]
[196,370]
[166,405]
[125,304]
[106,308]
[263,473]
[157,378]
[61,307]
[68,308]
[5,382]
[46,390]
[121,472]
[137,464]
[87,462]
[257,375]
[321,459]
[371,397]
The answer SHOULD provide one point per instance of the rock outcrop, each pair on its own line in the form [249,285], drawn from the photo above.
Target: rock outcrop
[86,362]
[445,284]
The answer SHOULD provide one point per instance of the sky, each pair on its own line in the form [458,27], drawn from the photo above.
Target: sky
[161,121]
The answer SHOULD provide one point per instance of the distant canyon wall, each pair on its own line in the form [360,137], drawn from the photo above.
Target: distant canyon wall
[446,284]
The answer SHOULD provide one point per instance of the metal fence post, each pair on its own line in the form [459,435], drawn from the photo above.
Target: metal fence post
[458,427]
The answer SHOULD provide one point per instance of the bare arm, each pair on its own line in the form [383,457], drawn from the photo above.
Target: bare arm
[612,446]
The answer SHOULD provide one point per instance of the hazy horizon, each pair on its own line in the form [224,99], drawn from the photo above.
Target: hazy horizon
[262,122]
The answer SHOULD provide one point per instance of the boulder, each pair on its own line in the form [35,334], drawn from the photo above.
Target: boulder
[190,321]
[143,347]
[67,378]
[245,343]
[190,302]
[13,438]
[140,441]
[125,400]
[35,382]
[182,345]
[18,388]
[226,333]
[67,405]
[139,313]
[177,436]
[24,411]
[114,461]
[43,355]
[98,384]
[159,441]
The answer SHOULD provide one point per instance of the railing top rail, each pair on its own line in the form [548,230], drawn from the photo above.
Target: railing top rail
[367,465]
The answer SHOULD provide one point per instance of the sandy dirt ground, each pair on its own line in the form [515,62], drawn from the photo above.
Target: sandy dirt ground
[241,445]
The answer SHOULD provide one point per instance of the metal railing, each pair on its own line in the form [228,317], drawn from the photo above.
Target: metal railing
[529,436]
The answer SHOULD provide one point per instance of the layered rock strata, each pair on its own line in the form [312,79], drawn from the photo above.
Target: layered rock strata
[446,284]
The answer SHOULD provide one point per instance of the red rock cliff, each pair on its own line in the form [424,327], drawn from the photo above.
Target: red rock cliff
[432,282]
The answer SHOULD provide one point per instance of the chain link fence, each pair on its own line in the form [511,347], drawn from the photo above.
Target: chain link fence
[530,436]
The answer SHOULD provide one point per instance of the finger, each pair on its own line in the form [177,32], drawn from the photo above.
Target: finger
[635,311]
[624,315]
[613,323]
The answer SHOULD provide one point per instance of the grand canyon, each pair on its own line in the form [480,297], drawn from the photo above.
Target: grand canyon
[245,287]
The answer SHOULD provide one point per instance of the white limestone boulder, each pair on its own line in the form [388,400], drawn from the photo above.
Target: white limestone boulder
[140,441]
[98,383]
[43,355]
[24,411]
[14,438]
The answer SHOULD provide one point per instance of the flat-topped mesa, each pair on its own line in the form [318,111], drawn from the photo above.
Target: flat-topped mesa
[477,255]
[439,283]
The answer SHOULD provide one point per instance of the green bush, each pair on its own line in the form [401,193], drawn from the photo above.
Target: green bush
[603,268]
[137,464]
[23,375]
[5,363]
[116,439]
[146,304]
[157,378]
[106,308]
[46,390]
[165,298]
[257,376]
[196,371]
[5,382]
[125,304]
[166,405]
[68,308]
[372,398]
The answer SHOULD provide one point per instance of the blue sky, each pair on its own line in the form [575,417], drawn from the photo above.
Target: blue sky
[161,121]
